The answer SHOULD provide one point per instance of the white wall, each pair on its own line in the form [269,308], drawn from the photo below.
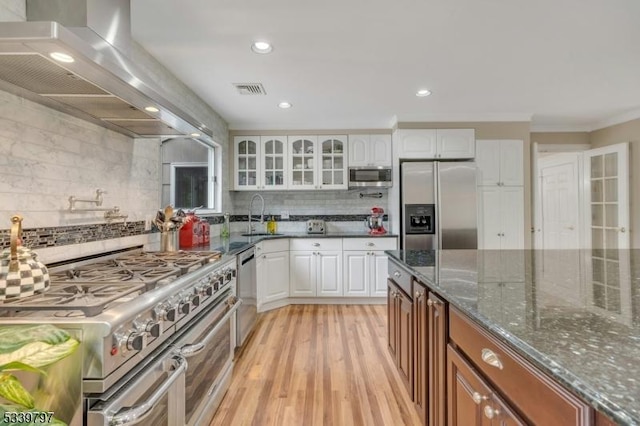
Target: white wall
[47,156]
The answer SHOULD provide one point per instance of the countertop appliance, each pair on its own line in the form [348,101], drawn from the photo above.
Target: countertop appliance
[438,205]
[374,221]
[363,177]
[248,292]
[136,311]
[316,226]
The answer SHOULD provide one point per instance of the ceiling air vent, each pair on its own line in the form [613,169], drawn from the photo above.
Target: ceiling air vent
[250,88]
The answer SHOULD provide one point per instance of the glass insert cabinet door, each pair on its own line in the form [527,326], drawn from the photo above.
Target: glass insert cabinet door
[247,155]
[274,162]
[333,164]
[302,162]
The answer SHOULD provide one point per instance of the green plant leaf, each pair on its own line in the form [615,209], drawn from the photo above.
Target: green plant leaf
[17,365]
[14,337]
[12,390]
[40,354]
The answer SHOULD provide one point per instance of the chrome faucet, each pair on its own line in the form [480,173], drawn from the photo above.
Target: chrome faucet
[251,211]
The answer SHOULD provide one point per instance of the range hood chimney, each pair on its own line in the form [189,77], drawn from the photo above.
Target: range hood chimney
[94,78]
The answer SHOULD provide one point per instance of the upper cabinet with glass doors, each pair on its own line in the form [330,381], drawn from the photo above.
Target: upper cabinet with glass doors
[260,163]
[333,162]
[247,162]
[274,162]
[302,162]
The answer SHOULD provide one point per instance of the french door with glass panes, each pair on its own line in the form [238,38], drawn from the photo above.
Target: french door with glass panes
[274,162]
[607,216]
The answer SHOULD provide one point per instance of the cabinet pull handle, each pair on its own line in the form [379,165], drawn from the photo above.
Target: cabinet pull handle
[490,412]
[477,398]
[491,358]
[397,274]
[316,244]
[370,244]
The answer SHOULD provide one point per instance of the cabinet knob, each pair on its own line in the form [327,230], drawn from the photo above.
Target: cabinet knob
[477,398]
[430,302]
[397,274]
[491,358]
[490,412]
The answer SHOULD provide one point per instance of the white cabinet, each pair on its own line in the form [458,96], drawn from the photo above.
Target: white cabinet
[272,271]
[273,163]
[365,266]
[369,150]
[316,273]
[500,194]
[317,162]
[501,217]
[500,162]
[260,163]
[247,162]
[435,143]
[455,143]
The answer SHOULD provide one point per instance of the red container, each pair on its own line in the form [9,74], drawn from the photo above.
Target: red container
[189,233]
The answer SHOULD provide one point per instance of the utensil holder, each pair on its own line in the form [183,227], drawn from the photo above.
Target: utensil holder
[169,240]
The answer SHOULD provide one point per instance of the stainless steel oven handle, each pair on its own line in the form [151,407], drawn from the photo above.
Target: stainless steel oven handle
[195,348]
[137,413]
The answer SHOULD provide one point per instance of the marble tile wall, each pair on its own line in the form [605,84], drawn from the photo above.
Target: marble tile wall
[13,10]
[311,202]
[47,156]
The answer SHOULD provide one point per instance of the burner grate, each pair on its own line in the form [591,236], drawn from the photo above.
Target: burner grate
[90,298]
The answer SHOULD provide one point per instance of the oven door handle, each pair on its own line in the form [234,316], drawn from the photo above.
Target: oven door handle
[195,348]
[139,412]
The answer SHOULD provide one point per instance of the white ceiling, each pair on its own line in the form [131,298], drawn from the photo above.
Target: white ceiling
[570,64]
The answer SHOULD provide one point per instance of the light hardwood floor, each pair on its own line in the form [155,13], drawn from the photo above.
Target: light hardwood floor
[317,365]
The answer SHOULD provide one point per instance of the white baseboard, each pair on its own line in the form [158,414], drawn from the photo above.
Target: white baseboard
[322,301]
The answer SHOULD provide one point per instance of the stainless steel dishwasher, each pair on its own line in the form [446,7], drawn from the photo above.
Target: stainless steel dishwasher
[247,291]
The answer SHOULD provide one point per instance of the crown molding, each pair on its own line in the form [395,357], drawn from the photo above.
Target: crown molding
[617,119]
[560,128]
[467,118]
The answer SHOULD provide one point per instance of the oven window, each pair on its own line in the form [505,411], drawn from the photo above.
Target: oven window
[206,367]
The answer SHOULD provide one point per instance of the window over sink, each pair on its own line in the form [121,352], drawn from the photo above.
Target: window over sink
[190,175]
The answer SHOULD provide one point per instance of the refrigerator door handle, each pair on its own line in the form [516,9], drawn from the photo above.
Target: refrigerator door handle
[436,189]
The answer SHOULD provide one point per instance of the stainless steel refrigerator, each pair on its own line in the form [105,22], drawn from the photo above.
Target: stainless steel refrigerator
[438,205]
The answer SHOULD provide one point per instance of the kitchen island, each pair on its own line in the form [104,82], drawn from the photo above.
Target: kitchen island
[574,315]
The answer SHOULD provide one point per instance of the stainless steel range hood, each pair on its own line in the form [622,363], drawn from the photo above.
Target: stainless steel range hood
[102,84]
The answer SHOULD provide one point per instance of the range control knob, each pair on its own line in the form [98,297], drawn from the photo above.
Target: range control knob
[184,307]
[165,312]
[208,290]
[195,300]
[309,229]
[135,342]
[153,328]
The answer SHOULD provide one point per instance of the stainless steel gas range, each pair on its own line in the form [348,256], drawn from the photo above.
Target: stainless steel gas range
[144,318]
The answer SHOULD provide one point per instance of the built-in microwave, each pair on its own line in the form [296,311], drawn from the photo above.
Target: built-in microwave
[370,176]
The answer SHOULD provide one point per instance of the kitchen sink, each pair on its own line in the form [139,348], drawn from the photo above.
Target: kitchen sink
[259,234]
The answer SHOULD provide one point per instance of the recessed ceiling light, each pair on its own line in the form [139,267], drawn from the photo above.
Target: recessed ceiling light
[423,92]
[195,135]
[151,109]
[261,47]
[284,105]
[62,57]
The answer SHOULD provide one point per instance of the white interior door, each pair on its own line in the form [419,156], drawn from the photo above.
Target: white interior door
[559,198]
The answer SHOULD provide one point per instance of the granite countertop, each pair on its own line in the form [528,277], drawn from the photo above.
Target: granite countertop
[574,314]
[237,242]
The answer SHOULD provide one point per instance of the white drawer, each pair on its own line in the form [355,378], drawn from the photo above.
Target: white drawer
[272,246]
[377,243]
[315,244]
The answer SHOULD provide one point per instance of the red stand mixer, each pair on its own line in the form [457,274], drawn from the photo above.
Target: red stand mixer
[374,221]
